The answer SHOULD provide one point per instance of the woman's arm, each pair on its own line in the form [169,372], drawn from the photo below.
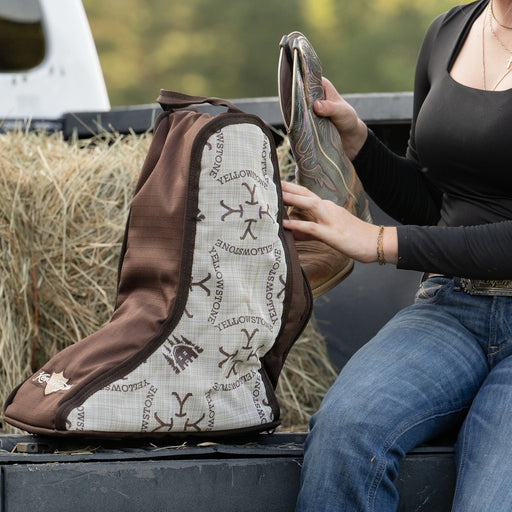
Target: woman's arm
[478,252]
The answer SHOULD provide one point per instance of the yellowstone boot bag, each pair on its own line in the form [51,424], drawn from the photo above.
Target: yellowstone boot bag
[210,294]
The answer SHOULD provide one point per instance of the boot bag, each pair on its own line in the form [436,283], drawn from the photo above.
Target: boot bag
[210,294]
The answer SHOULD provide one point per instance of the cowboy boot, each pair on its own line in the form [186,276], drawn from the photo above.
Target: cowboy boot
[321,163]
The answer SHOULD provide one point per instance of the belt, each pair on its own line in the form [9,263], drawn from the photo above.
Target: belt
[487,286]
[481,286]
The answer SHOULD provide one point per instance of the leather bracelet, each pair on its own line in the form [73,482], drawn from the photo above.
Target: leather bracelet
[380,250]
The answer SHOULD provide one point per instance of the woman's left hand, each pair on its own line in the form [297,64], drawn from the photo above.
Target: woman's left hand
[336,226]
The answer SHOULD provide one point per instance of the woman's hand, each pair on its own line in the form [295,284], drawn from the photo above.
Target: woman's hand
[352,130]
[335,226]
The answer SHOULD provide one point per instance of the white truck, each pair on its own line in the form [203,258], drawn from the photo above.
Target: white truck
[50,76]
[48,61]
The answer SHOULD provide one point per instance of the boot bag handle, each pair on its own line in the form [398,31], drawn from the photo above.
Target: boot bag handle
[171,99]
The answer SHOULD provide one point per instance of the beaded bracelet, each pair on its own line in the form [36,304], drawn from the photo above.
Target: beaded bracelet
[380,251]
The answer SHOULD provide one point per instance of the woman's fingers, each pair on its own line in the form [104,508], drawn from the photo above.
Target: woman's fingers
[320,210]
[301,229]
[295,189]
[331,96]
[299,196]
[305,200]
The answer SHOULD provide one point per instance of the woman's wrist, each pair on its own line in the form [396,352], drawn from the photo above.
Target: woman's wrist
[353,142]
[387,245]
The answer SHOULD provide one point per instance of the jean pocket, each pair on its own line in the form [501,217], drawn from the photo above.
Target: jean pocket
[429,290]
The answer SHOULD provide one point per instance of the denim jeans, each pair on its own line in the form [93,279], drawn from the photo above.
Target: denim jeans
[444,362]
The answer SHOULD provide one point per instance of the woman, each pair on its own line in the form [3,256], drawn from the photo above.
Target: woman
[446,361]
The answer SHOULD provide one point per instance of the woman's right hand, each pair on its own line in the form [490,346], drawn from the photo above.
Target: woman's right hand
[336,226]
[352,130]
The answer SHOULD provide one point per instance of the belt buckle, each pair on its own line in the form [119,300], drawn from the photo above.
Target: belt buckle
[491,287]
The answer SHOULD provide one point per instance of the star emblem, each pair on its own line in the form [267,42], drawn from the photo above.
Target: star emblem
[56,382]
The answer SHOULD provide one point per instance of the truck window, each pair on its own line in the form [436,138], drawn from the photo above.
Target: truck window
[22,44]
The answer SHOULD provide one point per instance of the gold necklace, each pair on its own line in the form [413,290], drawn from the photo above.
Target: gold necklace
[502,44]
[509,65]
[496,19]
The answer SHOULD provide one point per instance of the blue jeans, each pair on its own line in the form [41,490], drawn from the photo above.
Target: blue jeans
[442,363]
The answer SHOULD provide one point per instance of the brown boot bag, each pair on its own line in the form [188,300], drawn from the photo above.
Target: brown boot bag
[210,298]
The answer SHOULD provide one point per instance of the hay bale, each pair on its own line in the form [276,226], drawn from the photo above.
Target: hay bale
[63,209]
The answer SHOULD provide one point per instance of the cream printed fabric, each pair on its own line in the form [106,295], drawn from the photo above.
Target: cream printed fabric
[206,376]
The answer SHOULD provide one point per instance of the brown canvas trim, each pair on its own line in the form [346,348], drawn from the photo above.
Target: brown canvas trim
[159,134]
[12,394]
[298,304]
[170,100]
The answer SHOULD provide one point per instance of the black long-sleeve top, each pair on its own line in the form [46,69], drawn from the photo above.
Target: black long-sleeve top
[453,190]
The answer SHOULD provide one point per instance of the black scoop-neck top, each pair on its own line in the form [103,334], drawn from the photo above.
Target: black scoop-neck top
[453,190]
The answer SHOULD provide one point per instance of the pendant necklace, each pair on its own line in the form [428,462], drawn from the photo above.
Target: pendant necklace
[490,15]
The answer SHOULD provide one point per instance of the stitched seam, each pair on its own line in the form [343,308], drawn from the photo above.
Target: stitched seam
[438,292]
[390,441]
[428,292]
[492,345]
[461,467]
